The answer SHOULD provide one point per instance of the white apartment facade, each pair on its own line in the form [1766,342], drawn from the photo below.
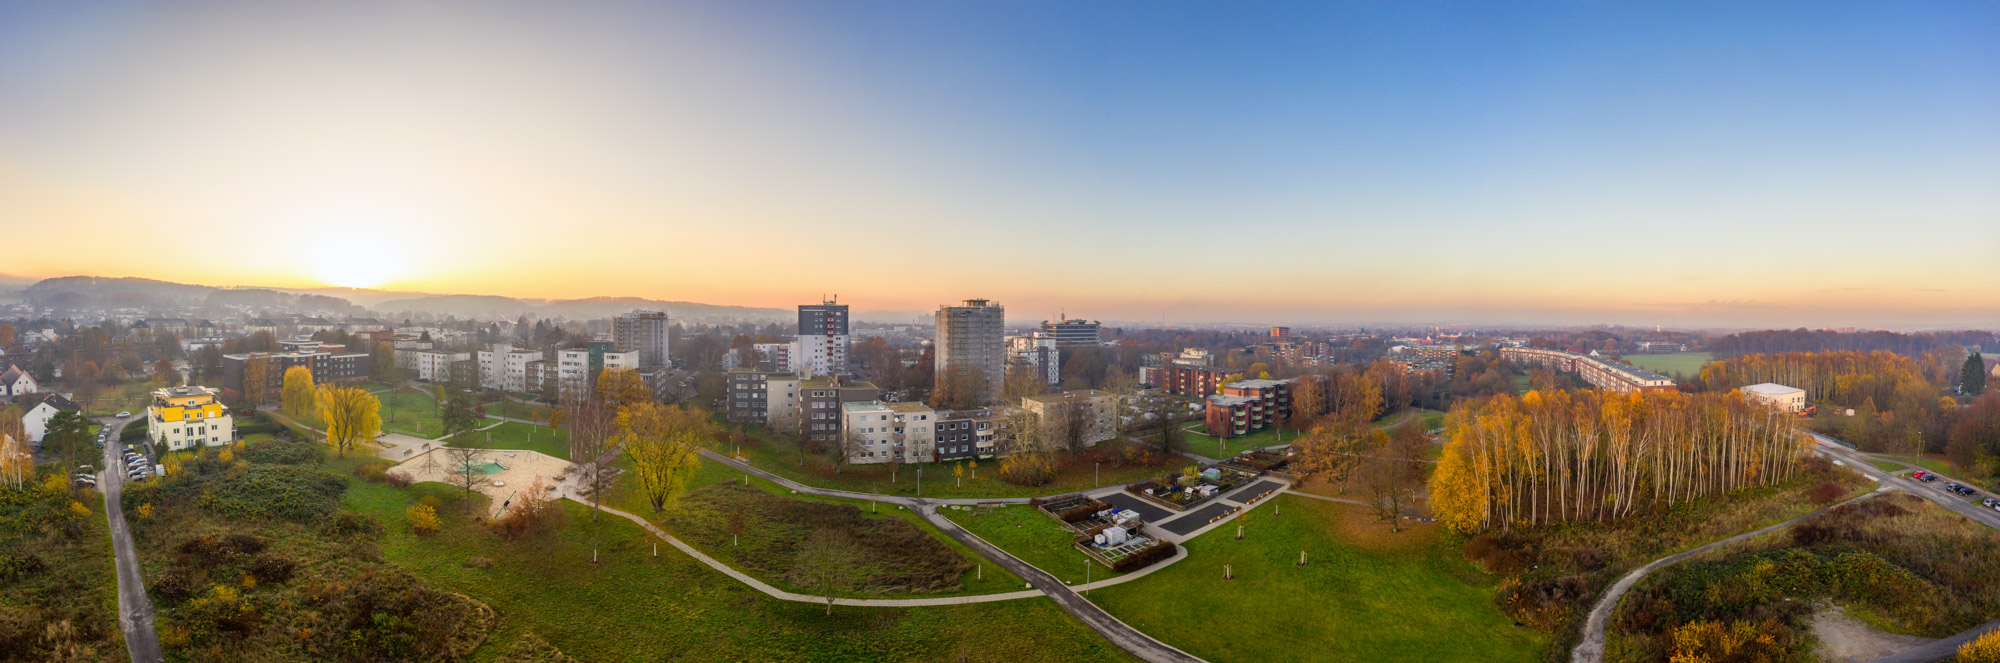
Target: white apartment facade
[889,432]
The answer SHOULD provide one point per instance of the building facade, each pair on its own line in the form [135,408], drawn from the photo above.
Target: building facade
[1789,399]
[326,368]
[820,400]
[1069,333]
[1036,354]
[823,341]
[1185,380]
[644,332]
[1096,411]
[186,417]
[749,393]
[878,432]
[972,337]
[967,434]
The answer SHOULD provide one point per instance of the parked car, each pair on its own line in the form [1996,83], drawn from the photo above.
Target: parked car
[1919,474]
[1930,477]
[123,415]
[1988,502]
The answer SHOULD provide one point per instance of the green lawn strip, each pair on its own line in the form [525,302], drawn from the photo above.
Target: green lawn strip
[516,435]
[1938,465]
[1432,419]
[513,410]
[779,454]
[985,577]
[1686,363]
[1887,466]
[1420,603]
[1026,533]
[631,605]
[1207,445]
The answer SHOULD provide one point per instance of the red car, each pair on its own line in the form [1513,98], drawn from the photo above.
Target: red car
[1919,474]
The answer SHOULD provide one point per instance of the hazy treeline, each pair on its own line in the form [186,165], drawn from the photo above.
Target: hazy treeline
[1823,340]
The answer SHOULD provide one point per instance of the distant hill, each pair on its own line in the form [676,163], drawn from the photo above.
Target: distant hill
[488,306]
[129,292]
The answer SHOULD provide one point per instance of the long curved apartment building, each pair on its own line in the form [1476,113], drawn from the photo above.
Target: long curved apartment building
[1601,373]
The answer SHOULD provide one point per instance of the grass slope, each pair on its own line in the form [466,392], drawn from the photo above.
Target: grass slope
[779,454]
[1368,595]
[1024,532]
[1685,363]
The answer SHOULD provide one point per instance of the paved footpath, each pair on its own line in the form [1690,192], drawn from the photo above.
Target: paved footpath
[1118,632]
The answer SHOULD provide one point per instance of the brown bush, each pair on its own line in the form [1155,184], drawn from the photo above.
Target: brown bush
[273,568]
[1825,493]
[1144,558]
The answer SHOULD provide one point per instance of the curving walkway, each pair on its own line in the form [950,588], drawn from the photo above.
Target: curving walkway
[1590,649]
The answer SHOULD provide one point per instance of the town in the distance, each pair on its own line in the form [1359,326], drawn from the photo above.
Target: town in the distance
[197,473]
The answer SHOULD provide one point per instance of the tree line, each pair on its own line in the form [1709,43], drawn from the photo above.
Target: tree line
[1566,456]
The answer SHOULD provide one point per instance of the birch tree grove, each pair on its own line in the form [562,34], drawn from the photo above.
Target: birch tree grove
[1550,457]
[1846,378]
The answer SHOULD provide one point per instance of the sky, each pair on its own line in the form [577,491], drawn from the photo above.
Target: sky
[1686,164]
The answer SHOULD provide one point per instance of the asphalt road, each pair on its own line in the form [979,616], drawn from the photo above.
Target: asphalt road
[135,610]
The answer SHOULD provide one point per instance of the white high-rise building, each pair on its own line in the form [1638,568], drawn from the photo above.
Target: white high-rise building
[1037,353]
[823,341]
[780,355]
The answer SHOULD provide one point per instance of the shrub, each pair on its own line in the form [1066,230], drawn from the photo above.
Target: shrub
[1825,493]
[1081,512]
[17,566]
[173,584]
[1985,649]
[273,568]
[396,480]
[1145,557]
[423,519]
[1031,469]
[350,523]
[282,452]
[278,491]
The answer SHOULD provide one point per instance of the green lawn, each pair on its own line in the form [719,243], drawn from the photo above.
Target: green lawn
[779,454]
[1368,595]
[1025,532]
[1686,363]
[1207,445]
[630,605]
[513,410]
[411,412]
[1938,465]
[515,435]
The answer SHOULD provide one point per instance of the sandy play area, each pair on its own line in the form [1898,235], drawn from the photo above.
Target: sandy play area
[509,470]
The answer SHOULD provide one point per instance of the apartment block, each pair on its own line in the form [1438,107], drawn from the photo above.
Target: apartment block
[1097,412]
[644,332]
[878,432]
[185,417]
[967,434]
[823,341]
[820,400]
[973,337]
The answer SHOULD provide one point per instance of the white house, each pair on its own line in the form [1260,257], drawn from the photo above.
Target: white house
[40,409]
[15,382]
[1789,399]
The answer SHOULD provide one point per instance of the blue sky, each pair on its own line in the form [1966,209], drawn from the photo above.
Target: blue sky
[1701,163]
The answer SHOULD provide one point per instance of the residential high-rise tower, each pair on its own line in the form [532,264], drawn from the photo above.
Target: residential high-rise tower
[972,336]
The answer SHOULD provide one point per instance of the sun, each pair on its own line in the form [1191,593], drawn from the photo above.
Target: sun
[353,264]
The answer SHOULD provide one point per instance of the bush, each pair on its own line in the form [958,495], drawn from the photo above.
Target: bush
[1825,493]
[1144,558]
[278,491]
[273,568]
[1028,469]
[282,452]
[423,519]
[173,584]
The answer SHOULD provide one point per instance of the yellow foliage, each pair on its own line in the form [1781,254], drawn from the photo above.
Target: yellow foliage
[350,414]
[663,442]
[423,519]
[1984,649]
[297,395]
[78,509]
[143,511]
[54,483]
[226,456]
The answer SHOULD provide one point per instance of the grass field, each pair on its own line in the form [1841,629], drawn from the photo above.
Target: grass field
[516,435]
[1933,463]
[513,410]
[411,412]
[1368,594]
[631,605]
[1684,363]
[1206,445]
[779,454]
[1024,532]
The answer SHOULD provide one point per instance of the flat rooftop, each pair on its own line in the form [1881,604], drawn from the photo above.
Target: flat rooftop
[1773,389]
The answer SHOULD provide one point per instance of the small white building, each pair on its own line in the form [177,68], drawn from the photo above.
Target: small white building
[15,382]
[1789,399]
[40,408]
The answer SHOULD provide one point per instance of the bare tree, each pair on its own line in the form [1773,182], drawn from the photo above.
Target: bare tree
[464,470]
[850,447]
[593,423]
[829,563]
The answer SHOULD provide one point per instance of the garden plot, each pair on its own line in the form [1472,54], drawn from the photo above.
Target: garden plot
[1184,491]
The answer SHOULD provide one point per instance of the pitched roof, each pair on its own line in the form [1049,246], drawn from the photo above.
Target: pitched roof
[11,374]
[55,400]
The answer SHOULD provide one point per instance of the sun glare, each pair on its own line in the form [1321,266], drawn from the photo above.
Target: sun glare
[349,264]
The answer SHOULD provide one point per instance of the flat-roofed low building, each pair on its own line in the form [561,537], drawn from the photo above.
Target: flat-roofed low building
[1789,399]
[185,417]
[967,434]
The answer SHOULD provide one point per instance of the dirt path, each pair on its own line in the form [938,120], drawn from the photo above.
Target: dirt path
[1844,639]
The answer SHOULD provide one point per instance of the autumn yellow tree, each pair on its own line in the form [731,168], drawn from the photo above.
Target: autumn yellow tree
[622,386]
[17,463]
[664,442]
[350,415]
[297,396]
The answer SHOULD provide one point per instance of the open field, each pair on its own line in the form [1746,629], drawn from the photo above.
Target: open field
[411,412]
[55,566]
[1025,532]
[513,410]
[1685,363]
[1202,443]
[779,454]
[516,435]
[1935,463]
[1367,595]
